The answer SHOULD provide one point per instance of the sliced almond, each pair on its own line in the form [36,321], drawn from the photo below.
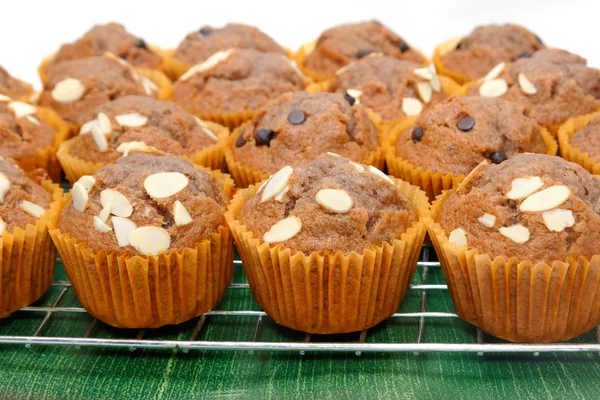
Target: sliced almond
[435,82]
[523,187]
[149,86]
[35,98]
[181,214]
[526,85]
[104,123]
[87,127]
[2,225]
[488,220]
[380,174]
[79,196]
[355,94]
[131,120]
[68,90]
[546,199]
[123,227]
[150,240]
[280,196]
[458,236]
[411,106]
[558,219]
[493,88]
[336,200]
[277,182]
[424,73]
[32,209]
[358,167]
[101,226]
[283,230]
[517,233]
[205,128]
[294,66]
[210,62]
[4,186]
[99,138]
[494,72]
[128,147]
[165,184]
[20,109]
[329,153]
[425,91]
[32,119]
[4,98]
[105,212]
[87,181]
[120,206]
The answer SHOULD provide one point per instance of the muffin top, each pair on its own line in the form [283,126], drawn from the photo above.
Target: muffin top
[489,45]
[236,80]
[391,87]
[141,121]
[76,88]
[12,87]
[22,133]
[462,131]
[533,207]
[553,84]
[587,140]
[200,45]
[22,201]
[297,127]
[340,45]
[330,204]
[144,204]
[112,38]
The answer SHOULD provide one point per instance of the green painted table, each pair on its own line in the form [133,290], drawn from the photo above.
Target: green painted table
[45,371]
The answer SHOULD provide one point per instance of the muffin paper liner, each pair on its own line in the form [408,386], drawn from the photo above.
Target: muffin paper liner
[433,182]
[570,153]
[518,300]
[441,68]
[245,175]
[333,292]
[28,257]
[210,157]
[149,291]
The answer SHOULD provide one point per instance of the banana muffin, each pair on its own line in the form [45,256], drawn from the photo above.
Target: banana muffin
[553,85]
[340,45]
[487,46]
[75,89]
[298,127]
[12,87]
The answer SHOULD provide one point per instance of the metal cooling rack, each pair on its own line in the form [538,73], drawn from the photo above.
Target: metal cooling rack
[310,343]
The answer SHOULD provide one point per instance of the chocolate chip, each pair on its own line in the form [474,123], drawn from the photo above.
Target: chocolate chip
[296,117]
[240,141]
[459,45]
[141,44]
[205,31]
[349,99]
[364,53]
[263,137]
[417,134]
[465,123]
[538,39]
[525,54]
[403,46]
[497,157]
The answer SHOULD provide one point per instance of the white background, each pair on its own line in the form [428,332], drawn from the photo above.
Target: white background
[30,30]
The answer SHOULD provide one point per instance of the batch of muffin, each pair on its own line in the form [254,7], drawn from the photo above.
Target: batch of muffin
[175,155]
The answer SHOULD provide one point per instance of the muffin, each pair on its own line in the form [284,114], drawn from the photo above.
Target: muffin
[553,84]
[519,244]
[27,256]
[296,128]
[30,135]
[13,88]
[579,141]
[231,84]
[111,37]
[471,57]
[451,138]
[141,122]
[394,89]
[342,44]
[145,242]
[76,89]
[329,246]
[199,45]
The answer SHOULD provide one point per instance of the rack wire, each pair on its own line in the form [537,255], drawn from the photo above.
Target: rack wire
[413,324]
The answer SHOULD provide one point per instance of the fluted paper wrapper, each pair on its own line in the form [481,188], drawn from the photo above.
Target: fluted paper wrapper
[210,157]
[149,291]
[570,153]
[434,182]
[330,293]
[28,257]
[441,68]
[519,300]
[245,175]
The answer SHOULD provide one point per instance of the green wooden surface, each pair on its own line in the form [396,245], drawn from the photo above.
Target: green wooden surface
[66,372]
